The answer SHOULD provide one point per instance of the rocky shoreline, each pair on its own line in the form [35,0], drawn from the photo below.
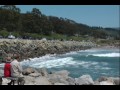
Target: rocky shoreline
[41,76]
[36,48]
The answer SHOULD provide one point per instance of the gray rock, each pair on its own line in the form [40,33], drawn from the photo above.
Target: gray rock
[35,74]
[53,78]
[96,82]
[106,83]
[63,73]
[116,81]
[84,80]
[59,84]
[103,78]
[29,80]
[42,81]
[43,71]
[28,71]
[71,81]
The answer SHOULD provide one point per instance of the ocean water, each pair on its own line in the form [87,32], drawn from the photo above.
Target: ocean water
[95,62]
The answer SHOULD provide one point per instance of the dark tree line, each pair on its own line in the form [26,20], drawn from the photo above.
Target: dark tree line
[12,20]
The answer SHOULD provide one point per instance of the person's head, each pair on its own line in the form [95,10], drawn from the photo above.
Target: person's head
[8,59]
[16,56]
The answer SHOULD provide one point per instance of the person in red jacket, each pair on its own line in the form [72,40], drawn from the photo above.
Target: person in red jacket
[7,67]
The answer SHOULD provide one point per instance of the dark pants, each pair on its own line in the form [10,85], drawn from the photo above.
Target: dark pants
[20,81]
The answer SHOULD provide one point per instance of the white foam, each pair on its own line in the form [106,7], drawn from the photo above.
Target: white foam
[31,61]
[71,53]
[102,68]
[107,55]
[54,63]
[89,50]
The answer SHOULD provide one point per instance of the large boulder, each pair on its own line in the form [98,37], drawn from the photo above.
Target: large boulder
[116,81]
[43,71]
[29,80]
[96,82]
[28,71]
[106,83]
[63,73]
[103,78]
[42,81]
[71,81]
[54,78]
[84,80]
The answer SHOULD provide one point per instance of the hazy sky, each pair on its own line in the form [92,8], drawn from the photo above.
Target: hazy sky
[93,15]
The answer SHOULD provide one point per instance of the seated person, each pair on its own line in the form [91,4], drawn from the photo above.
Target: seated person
[16,70]
[7,67]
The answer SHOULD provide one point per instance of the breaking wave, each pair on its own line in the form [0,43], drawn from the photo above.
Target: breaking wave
[107,55]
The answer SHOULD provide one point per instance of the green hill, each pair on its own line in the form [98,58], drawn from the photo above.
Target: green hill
[34,24]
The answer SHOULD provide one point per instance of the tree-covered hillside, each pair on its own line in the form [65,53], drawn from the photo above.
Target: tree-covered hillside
[37,25]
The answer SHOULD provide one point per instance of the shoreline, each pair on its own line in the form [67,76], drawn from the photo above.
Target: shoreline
[41,76]
[51,77]
[37,48]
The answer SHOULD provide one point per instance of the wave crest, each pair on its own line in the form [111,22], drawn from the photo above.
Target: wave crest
[107,55]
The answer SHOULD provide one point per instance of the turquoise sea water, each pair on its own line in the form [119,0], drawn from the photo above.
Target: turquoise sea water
[95,62]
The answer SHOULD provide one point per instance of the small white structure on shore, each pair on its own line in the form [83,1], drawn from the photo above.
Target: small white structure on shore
[11,37]
[44,39]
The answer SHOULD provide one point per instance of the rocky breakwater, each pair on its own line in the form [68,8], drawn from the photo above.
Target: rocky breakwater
[43,77]
[36,48]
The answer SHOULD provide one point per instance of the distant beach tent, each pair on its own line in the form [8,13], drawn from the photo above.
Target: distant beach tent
[11,37]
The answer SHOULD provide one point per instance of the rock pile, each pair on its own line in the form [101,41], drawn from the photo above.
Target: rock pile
[42,77]
[36,48]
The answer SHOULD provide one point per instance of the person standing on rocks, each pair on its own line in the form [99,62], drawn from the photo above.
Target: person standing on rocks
[16,70]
